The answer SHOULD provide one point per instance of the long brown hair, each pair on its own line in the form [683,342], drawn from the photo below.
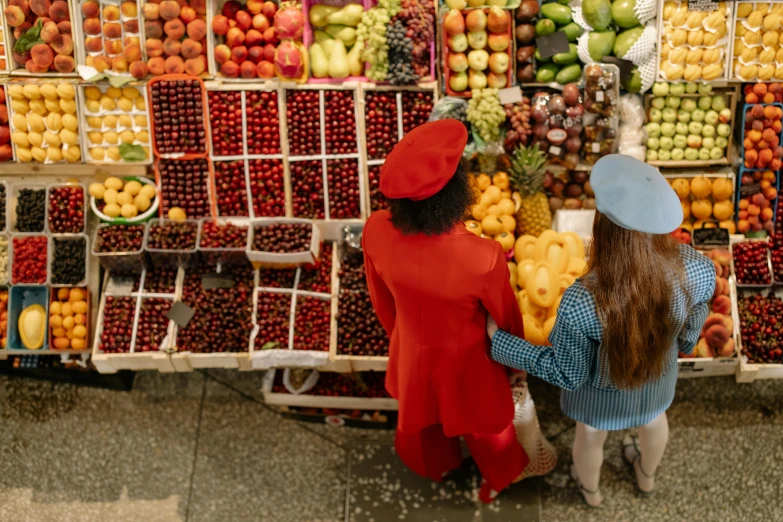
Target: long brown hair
[632,276]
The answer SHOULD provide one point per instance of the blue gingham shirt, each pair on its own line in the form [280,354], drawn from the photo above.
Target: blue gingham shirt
[576,363]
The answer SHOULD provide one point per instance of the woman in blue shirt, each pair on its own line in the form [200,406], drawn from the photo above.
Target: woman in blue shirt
[619,327]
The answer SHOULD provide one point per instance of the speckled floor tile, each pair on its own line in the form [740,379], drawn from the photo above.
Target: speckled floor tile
[75,453]
[254,466]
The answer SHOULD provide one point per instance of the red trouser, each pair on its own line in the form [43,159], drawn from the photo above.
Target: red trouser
[430,453]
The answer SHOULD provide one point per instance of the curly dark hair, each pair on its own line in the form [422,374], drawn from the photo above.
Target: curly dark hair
[437,214]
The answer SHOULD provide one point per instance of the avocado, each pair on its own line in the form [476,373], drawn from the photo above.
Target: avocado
[545,27]
[541,60]
[566,58]
[560,14]
[633,83]
[569,74]
[546,73]
[572,31]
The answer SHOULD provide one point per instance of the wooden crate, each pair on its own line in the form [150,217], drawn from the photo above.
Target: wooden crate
[318,401]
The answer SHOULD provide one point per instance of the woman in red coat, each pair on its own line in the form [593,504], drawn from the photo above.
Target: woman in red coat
[432,284]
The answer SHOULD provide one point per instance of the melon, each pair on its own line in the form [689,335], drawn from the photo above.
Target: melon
[549,248]
[523,248]
[523,269]
[32,326]
[533,332]
[573,243]
[529,308]
[542,284]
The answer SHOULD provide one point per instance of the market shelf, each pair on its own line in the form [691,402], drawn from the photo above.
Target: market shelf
[320,401]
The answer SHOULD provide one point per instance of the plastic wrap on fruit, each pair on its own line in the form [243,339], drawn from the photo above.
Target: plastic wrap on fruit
[631,110]
[291,61]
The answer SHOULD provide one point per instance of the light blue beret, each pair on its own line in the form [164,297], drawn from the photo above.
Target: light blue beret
[634,195]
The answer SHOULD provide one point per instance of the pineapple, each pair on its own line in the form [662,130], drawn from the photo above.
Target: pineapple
[527,176]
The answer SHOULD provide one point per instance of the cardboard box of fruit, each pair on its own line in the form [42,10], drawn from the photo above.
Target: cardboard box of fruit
[283,242]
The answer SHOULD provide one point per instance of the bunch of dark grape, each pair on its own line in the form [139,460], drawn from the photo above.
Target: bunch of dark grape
[418,17]
[401,71]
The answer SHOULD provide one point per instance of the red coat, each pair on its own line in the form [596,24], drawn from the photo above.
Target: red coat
[432,295]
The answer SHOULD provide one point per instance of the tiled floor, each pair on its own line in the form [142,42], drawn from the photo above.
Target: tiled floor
[204,447]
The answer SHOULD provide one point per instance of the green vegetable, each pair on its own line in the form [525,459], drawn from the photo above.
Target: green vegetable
[545,27]
[623,13]
[600,44]
[560,14]
[342,32]
[569,73]
[597,13]
[625,40]
[319,63]
[29,39]
[634,82]
[338,61]
[546,72]
[132,153]
[572,31]
[566,58]
[351,15]
[319,13]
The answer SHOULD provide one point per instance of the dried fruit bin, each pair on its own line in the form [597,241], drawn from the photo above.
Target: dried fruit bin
[109,36]
[305,257]
[51,135]
[674,32]
[134,261]
[203,152]
[250,148]
[12,214]
[59,47]
[141,218]
[13,259]
[171,257]
[115,126]
[49,193]
[19,298]
[87,324]
[321,401]
[753,41]
[190,24]
[224,256]
[50,254]
[748,371]
[735,239]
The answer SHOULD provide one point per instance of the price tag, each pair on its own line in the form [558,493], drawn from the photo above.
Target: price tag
[555,43]
[180,313]
[510,95]
[215,280]
[554,150]
[595,147]
[599,96]
[702,5]
[750,190]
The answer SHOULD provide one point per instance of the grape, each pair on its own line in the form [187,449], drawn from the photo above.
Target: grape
[418,18]
[371,32]
[486,114]
[401,71]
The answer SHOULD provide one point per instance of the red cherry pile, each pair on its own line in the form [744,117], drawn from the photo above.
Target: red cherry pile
[761,328]
[751,263]
[6,152]
[342,176]
[224,316]
[153,324]
[282,237]
[29,262]
[185,184]
[318,278]
[377,200]
[118,316]
[178,117]
[225,119]
[380,113]
[230,187]
[311,324]
[160,280]
[263,122]
[340,121]
[416,109]
[359,332]
[304,123]
[229,235]
[274,316]
[307,189]
[276,278]
[66,210]
[267,187]
[351,274]
[120,238]
[364,384]
[170,235]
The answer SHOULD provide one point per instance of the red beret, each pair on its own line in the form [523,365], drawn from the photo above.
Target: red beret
[424,160]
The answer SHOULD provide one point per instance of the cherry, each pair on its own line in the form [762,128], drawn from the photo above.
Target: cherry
[119,238]
[318,278]
[342,176]
[307,189]
[160,280]
[263,122]
[230,187]
[153,324]
[66,210]
[185,184]
[364,384]
[274,315]
[282,237]
[377,200]
[380,114]
[304,122]
[118,316]
[416,109]
[267,185]
[751,263]
[340,122]
[311,323]
[170,235]
[225,118]
[178,117]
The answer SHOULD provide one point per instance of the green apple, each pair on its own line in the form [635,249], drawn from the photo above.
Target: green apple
[711,117]
[673,102]
[725,115]
[690,88]
[667,129]
[708,131]
[721,142]
[666,143]
[705,88]
[694,141]
[680,141]
[664,155]
[691,154]
[683,116]
[654,115]
[723,130]
[678,154]
[652,143]
[688,104]
[698,115]
[677,89]
[704,154]
[652,155]
[695,127]
[653,130]
[704,103]
[718,103]
[660,88]
[669,114]
[708,143]
[681,128]
[658,103]
[716,153]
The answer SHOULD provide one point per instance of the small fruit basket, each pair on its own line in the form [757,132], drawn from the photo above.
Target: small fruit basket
[44,121]
[120,247]
[173,137]
[69,260]
[284,242]
[174,37]
[66,212]
[755,50]
[762,146]
[171,243]
[223,240]
[115,124]
[112,38]
[140,193]
[31,305]
[187,185]
[29,215]
[28,254]
[69,319]
[706,198]
[757,201]
[5,258]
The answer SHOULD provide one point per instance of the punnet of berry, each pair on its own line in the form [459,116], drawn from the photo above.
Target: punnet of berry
[153,324]
[311,323]
[751,263]
[119,313]
[28,265]
[274,319]
[171,235]
[66,210]
[119,238]
[761,328]
[222,235]
[282,237]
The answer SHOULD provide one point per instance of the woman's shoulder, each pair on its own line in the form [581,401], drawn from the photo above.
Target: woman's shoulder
[696,263]
[578,306]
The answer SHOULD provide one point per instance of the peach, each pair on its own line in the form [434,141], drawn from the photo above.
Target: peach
[195,66]
[171,47]
[30,66]
[775,164]
[743,226]
[19,31]
[132,53]
[174,65]
[757,111]
[131,26]
[191,48]
[260,23]
[40,7]
[112,47]
[151,11]
[62,44]
[760,89]
[138,69]
[222,54]
[156,65]
[243,20]
[769,135]
[770,112]
[235,37]
[229,69]
[231,8]
[766,214]
[111,13]
[90,9]
[265,69]
[255,54]
[765,156]
[768,98]
[269,52]
[169,9]
[197,29]
[254,37]
[49,30]
[154,47]
[200,6]
[112,30]
[24,5]
[93,44]
[119,63]
[101,63]
[64,64]
[187,14]
[220,25]
[131,40]
[129,9]
[21,58]
[14,15]
[254,6]
[248,70]
[42,55]
[153,29]
[269,9]
[239,54]
[174,28]
[64,27]
[270,36]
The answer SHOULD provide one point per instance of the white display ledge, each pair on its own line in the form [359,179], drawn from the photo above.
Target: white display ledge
[320,401]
